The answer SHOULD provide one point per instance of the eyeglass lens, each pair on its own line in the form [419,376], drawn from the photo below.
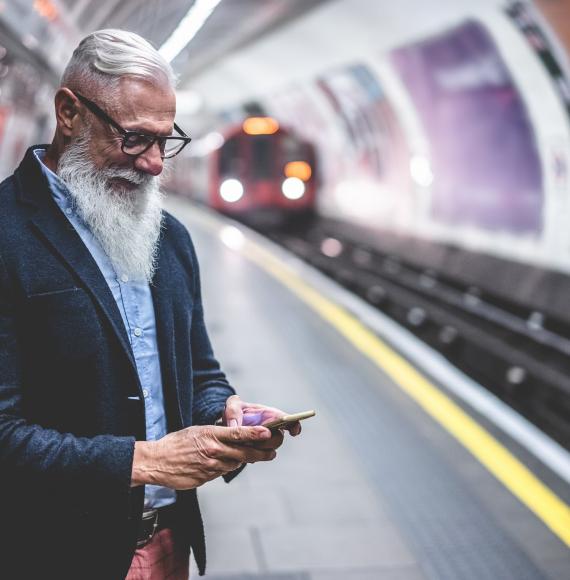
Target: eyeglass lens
[135,143]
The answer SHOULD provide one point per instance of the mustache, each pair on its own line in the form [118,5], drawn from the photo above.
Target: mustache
[131,175]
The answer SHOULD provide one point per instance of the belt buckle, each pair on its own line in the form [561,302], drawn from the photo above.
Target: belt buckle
[148,515]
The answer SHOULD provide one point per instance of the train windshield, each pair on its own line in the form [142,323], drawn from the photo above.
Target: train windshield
[231,161]
[262,157]
[293,149]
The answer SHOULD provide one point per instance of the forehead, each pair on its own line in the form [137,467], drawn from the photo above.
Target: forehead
[142,104]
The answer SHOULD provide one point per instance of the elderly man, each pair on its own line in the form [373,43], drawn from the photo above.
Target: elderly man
[109,389]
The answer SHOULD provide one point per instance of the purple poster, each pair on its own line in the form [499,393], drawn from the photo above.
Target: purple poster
[483,153]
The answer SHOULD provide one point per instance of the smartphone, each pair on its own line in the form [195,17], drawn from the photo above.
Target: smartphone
[288,420]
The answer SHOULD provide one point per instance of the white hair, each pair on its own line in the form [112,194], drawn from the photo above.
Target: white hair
[104,56]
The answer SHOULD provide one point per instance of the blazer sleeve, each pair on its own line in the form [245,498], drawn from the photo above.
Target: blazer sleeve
[211,388]
[52,460]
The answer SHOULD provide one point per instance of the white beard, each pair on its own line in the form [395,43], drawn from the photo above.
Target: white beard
[126,222]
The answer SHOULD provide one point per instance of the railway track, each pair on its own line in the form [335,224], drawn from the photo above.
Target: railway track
[519,354]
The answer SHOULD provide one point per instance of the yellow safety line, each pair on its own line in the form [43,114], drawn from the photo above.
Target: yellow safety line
[553,511]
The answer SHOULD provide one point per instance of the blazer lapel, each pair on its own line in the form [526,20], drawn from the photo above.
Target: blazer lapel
[48,219]
[162,289]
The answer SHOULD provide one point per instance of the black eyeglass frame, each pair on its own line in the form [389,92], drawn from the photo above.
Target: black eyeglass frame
[126,134]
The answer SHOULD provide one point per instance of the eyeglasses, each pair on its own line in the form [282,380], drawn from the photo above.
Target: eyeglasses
[134,142]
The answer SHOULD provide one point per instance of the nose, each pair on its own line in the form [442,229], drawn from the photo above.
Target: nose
[150,161]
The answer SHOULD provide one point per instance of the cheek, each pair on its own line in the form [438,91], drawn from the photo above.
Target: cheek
[108,154]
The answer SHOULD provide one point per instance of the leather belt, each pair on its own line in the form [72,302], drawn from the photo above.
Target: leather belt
[154,520]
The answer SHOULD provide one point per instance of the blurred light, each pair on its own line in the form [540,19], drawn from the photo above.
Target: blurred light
[47,9]
[331,247]
[260,126]
[376,294]
[300,169]
[293,188]
[189,26]
[416,316]
[420,171]
[231,190]
[516,375]
[448,335]
[536,321]
[472,297]
[213,141]
[30,41]
[232,237]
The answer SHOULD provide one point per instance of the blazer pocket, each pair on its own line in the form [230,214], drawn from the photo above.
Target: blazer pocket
[43,295]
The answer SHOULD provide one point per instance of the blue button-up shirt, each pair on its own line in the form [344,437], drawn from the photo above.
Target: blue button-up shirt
[134,301]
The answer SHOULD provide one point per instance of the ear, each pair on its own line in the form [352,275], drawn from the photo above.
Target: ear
[66,111]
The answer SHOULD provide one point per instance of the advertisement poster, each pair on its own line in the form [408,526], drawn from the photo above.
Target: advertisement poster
[486,167]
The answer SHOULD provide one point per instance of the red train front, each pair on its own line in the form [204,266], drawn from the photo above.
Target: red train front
[263,173]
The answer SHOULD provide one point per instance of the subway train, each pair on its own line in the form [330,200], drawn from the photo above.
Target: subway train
[256,171]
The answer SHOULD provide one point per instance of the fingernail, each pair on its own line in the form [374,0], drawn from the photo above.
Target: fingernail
[233,422]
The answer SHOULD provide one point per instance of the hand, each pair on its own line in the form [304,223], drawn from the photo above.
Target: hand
[238,412]
[193,456]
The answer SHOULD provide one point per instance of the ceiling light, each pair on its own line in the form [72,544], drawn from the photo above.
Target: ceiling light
[188,28]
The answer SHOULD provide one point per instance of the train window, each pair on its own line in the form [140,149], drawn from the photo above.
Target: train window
[292,149]
[261,155]
[230,160]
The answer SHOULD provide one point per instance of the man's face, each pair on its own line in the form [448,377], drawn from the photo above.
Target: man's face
[138,106]
[117,195]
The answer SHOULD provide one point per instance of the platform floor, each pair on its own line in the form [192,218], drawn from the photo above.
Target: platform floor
[374,488]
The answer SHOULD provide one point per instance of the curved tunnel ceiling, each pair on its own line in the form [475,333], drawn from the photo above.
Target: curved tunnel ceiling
[233,24]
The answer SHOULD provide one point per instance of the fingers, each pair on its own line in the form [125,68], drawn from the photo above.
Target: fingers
[233,414]
[225,452]
[294,429]
[253,455]
[274,442]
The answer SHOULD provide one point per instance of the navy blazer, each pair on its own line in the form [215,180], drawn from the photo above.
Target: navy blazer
[69,412]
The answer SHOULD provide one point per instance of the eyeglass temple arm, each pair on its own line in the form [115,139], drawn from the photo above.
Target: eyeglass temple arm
[180,130]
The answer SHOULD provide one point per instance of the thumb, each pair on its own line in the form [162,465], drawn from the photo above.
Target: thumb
[233,414]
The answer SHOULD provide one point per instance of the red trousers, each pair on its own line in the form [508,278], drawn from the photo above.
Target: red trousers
[160,559]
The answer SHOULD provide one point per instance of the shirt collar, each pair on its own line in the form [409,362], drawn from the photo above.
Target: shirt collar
[57,186]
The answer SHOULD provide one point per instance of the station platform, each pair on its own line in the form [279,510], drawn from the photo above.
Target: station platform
[398,477]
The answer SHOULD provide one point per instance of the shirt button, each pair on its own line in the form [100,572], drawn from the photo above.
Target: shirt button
[124,278]
[68,211]
[138,331]
[145,393]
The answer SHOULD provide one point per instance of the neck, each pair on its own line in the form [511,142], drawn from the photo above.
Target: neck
[53,154]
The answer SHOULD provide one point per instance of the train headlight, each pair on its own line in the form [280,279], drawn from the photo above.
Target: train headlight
[293,188]
[231,190]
